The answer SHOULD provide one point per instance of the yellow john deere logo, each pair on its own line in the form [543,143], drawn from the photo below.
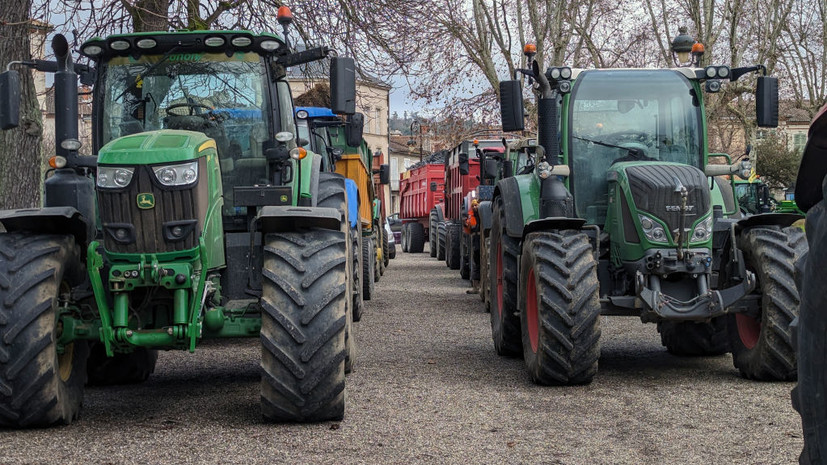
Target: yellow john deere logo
[283,199]
[146,201]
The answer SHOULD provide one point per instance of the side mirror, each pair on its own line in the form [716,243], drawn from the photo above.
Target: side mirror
[490,168]
[511,106]
[343,85]
[384,174]
[766,102]
[433,186]
[354,129]
[336,153]
[463,164]
[9,99]
[508,168]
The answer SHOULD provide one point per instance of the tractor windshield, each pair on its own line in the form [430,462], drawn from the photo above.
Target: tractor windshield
[624,115]
[224,97]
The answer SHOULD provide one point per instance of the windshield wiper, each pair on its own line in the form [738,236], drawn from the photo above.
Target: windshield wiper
[633,151]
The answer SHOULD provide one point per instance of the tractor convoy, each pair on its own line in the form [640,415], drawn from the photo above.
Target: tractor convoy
[617,207]
[212,208]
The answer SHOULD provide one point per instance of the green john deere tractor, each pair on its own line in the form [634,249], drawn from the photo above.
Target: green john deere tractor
[617,211]
[199,217]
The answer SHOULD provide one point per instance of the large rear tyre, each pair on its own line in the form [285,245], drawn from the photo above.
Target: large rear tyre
[416,234]
[386,254]
[131,368]
[41,384]
[452,245]
[441,234]
[304,319]
[690,339]
[560,308]
[368,267]
[502,278]
[465,251]
[810,395]
[406,238]
[358,305]
[761,345]
[484,285]
[433,220]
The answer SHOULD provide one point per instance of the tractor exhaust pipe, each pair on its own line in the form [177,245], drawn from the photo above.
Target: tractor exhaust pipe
[66,101]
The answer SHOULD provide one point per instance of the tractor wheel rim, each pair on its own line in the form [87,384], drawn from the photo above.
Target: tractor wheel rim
[65,362]
[499,280]
[532,315]
[749,329]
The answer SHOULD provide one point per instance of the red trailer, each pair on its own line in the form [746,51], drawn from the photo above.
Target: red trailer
[420,188]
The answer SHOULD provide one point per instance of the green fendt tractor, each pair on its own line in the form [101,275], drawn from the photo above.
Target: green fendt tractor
[199,217]
[617,211]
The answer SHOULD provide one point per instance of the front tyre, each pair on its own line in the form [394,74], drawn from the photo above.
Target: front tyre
[691,339]
[560,308]
[502,287]
[303,325]
[134,367]
[41,384]
[368,267]
[761,345]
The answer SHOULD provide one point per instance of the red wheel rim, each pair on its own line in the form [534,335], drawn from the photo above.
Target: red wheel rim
[500,280]
[532,317]
[749,329]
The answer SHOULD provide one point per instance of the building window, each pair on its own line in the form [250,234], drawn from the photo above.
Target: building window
[377,122]
[799,141]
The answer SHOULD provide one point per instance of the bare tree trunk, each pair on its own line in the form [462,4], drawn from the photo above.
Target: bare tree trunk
[20,148]
[148,15]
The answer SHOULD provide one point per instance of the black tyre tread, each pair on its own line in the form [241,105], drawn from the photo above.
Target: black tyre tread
[386,257]
[356,251]
[484,273]
[416,243]
[405,238]
[304,321]
[771,252]
[569,309]
[32,393]
[433,219]
[810,395]
[452,247]
[465,252]
[505,322]
[441,234]
[331,191]
[131,368]
[691,339]
[368,259]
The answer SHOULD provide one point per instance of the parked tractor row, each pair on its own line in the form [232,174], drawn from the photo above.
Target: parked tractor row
[617,208]
[202,213]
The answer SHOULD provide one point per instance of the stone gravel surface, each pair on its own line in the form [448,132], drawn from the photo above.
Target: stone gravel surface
[428,388]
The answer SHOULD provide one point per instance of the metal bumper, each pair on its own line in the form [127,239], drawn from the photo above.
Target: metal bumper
[707,304]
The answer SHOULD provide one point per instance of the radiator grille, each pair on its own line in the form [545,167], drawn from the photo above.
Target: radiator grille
[121,207]
[653,191]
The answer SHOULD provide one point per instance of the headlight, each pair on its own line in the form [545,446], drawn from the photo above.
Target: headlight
[652,229]
[177,175]
[114,177]
[703,230]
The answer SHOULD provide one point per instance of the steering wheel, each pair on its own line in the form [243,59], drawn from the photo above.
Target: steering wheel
[192,107]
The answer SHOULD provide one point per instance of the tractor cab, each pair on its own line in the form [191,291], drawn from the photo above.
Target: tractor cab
[625,119]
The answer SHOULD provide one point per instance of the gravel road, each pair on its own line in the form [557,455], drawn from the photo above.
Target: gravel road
[428,388]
